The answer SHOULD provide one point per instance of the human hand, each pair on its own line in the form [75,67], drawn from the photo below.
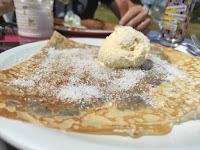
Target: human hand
[137,18]
[6,6]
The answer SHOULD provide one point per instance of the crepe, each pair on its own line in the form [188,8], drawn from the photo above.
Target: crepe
[91,24]
[64,87]
[95,24]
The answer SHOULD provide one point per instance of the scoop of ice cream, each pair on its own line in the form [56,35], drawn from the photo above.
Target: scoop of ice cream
[125,47]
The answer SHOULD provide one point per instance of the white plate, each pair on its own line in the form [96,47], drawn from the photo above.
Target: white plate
[59,25]
[83,32]
[185,136]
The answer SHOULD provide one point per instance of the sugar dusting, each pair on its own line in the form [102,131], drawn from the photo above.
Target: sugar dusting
[73,75]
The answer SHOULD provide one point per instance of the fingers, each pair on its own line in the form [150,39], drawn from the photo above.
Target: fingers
[146,31]
[130,14]
[136,21]
[144,25]
[137,18]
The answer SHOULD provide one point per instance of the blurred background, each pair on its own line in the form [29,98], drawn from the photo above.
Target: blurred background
[104,13]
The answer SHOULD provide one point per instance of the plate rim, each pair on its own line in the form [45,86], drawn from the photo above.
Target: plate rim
[86,32]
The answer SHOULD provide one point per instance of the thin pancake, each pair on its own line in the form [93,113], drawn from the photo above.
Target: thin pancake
[60,88]
[90,24]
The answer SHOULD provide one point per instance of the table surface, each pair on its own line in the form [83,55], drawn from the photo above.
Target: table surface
[8,42]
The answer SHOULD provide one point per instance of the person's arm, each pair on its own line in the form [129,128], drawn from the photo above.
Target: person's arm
[131,15]
[6,6]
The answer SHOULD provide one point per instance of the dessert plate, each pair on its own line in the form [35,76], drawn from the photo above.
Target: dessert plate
[28,136]
[95,27]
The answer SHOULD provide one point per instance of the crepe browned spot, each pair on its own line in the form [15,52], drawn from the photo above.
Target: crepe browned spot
[64,87]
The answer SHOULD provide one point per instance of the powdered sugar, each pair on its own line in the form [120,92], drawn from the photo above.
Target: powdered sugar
[73,75]
[163,67]
[24,82]
[128,79]
[78,92]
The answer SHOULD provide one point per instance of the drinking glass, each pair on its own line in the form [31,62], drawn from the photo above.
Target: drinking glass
[34,18]
[176,19]
[146,4]
[158,12]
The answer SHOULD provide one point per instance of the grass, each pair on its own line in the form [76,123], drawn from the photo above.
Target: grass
[104,13]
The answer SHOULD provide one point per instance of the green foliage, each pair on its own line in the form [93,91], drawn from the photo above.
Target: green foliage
[104,13]
[196,12]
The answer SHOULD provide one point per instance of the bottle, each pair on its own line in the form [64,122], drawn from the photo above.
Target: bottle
[176,19]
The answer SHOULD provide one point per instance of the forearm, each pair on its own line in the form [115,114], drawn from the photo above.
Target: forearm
[6,6]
